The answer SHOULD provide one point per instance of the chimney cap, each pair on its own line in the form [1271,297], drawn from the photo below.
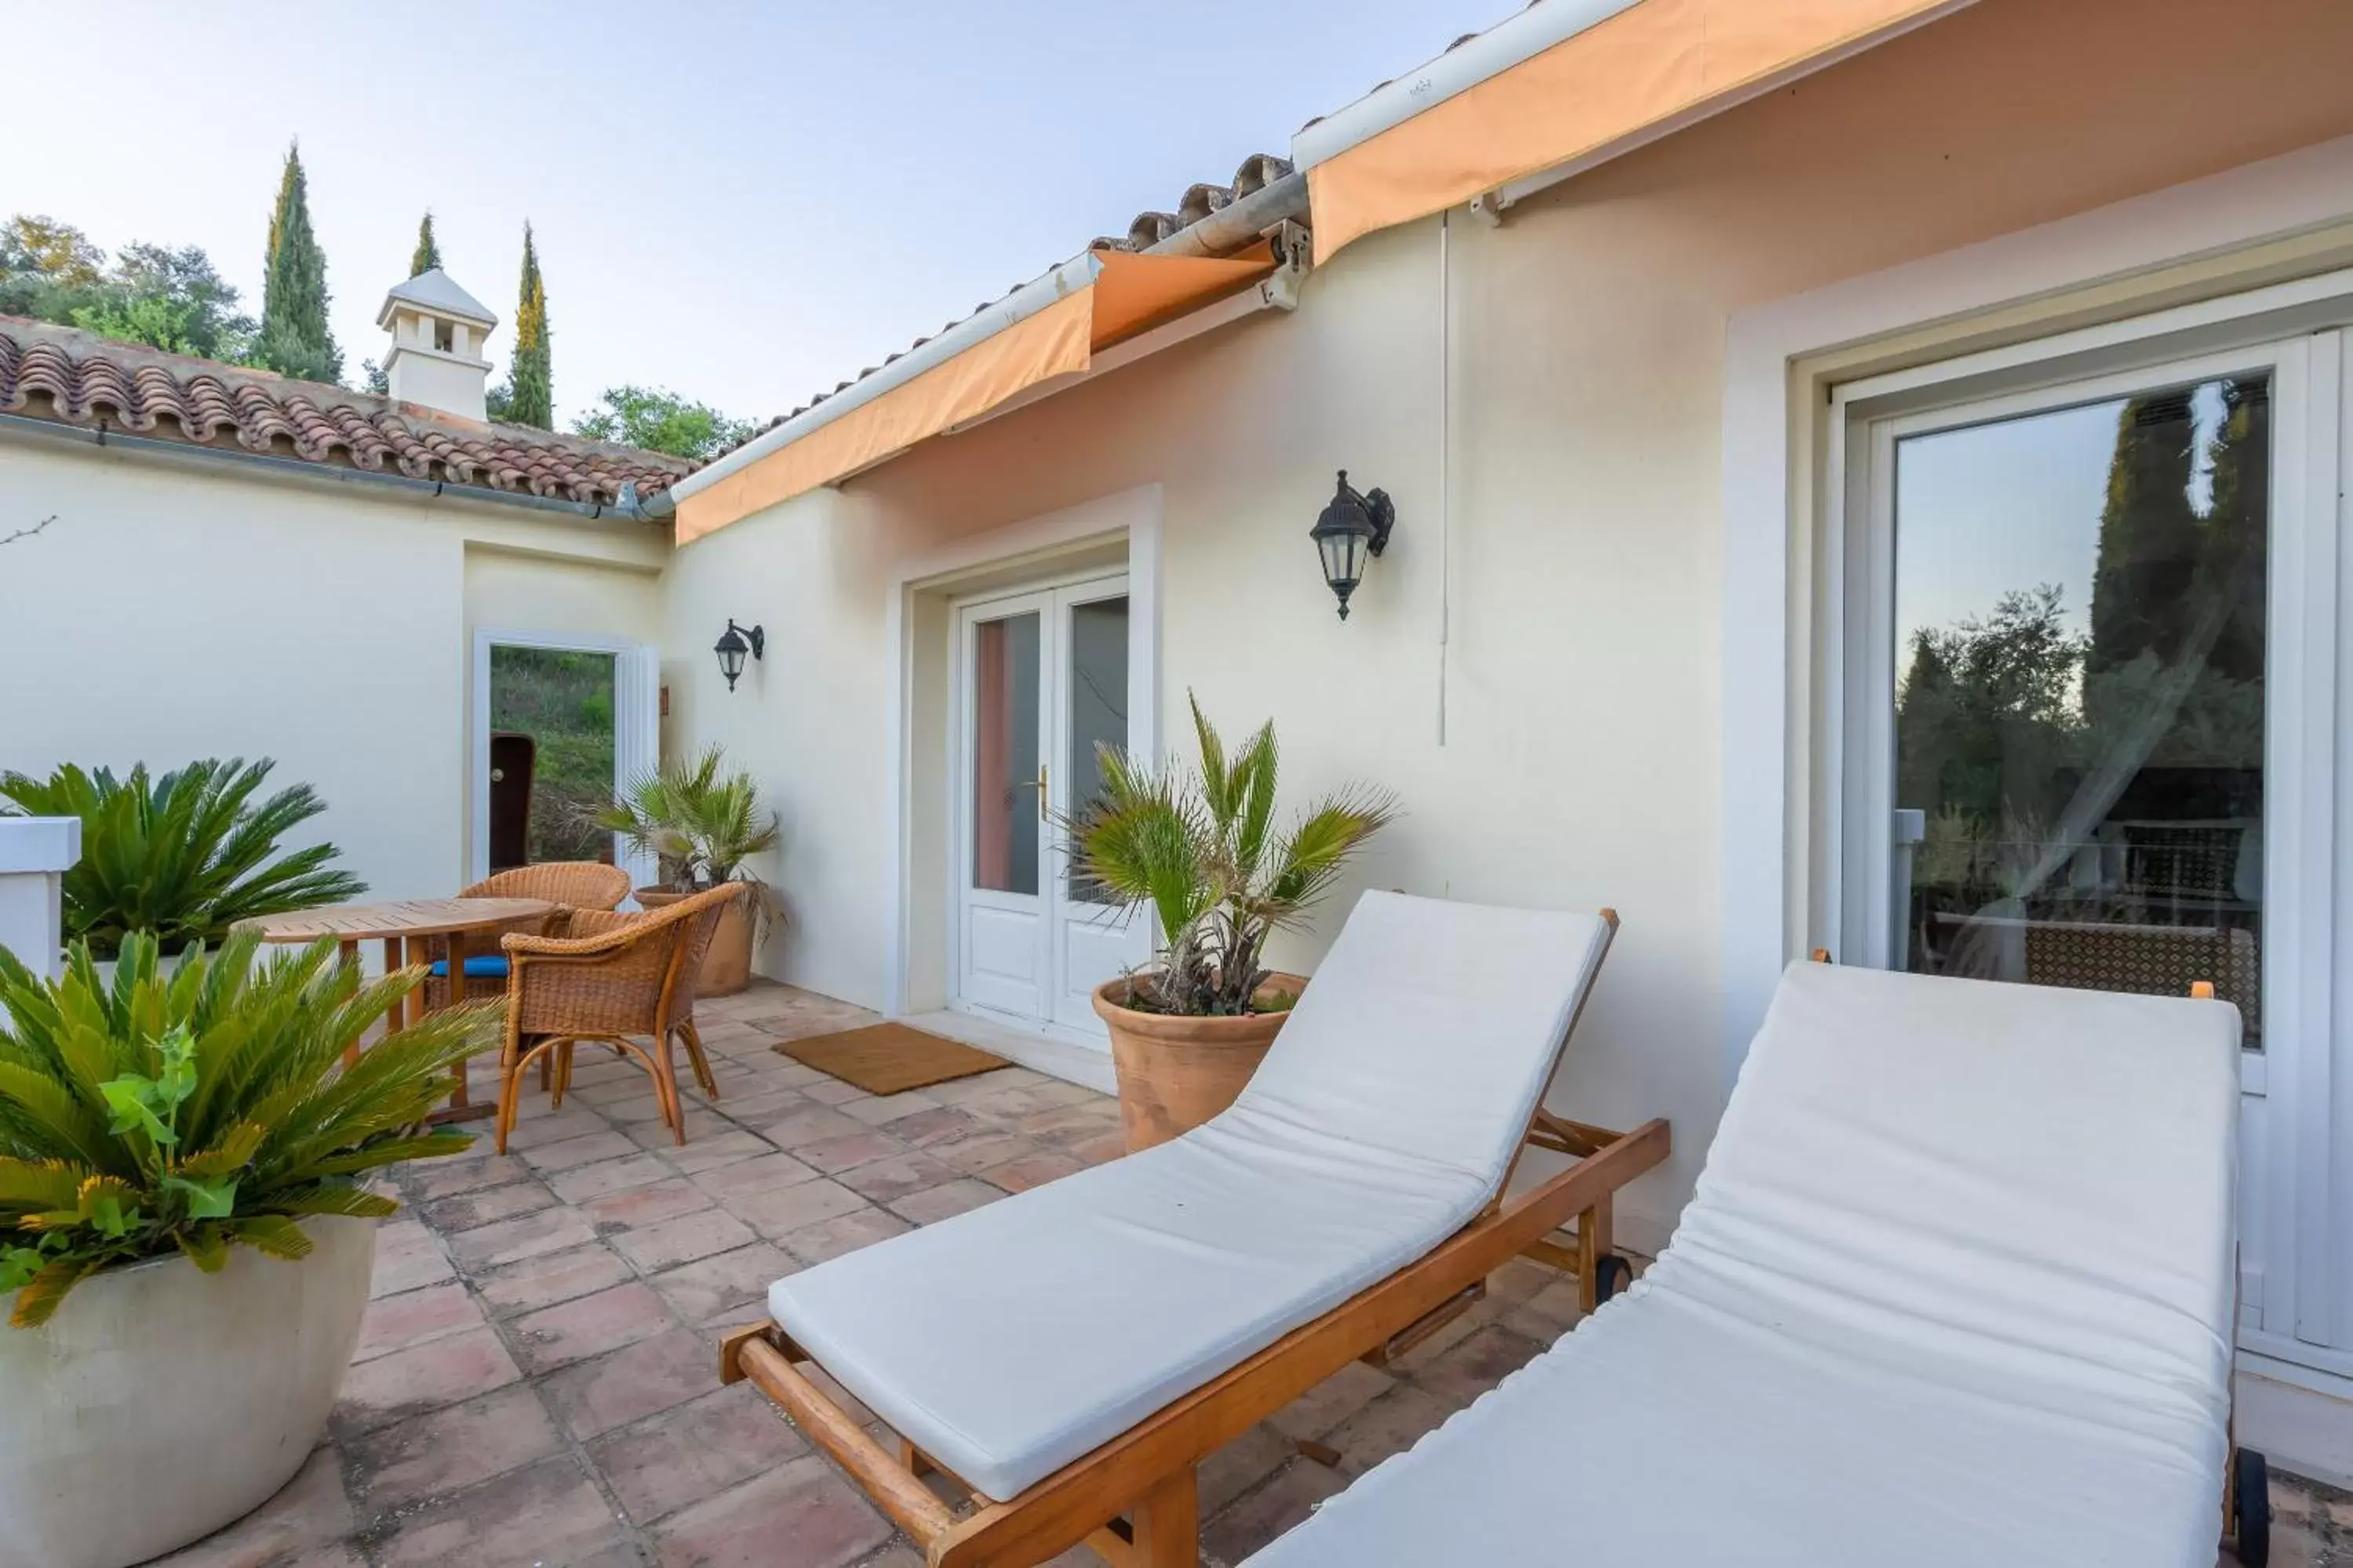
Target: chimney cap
[435,292]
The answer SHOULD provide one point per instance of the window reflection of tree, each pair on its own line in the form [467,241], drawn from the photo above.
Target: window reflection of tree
[2094,803]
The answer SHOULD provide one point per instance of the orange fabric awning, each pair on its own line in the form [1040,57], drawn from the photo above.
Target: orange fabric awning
[1124,294]
[1617,82]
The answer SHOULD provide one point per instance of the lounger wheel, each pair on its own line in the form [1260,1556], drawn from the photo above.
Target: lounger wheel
[2250,1507]
[1612,1274]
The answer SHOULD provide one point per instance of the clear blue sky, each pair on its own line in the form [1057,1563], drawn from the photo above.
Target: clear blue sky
[746,202]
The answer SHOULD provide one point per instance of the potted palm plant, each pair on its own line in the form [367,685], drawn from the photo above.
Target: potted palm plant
[181,855]
[1201,852]
[701,822]
[185,1240]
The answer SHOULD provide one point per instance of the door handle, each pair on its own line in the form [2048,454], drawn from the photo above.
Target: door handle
[1041,792]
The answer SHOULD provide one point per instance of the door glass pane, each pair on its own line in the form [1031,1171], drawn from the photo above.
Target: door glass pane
[1098,705]
[551,755]
[1005,807]
[2079,711]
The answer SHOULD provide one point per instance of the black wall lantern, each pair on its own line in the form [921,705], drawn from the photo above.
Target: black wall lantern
[732,645]
[1351,527]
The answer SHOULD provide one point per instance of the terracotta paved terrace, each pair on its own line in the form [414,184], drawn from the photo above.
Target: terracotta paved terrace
[537,1380]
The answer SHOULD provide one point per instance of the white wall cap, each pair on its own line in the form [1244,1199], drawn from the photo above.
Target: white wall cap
[39,843]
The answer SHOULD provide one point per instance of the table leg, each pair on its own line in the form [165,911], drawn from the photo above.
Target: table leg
[461,1106]
[347,953]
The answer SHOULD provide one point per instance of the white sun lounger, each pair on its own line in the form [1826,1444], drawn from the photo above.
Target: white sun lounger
[1069,1352]
[1955,1290]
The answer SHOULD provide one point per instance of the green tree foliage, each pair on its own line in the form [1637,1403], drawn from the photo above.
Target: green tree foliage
[661,421]
[295,338]
[163,1116]
[427,255]
[183,857]
[164,298]
[563,701]
[529,398]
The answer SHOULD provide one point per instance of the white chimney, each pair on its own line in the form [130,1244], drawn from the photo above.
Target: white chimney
[436,345]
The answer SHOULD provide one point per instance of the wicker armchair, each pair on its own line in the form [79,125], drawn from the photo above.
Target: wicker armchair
[624,980]
[574,884]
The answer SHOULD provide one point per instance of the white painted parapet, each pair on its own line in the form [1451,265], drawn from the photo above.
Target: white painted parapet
[34,854]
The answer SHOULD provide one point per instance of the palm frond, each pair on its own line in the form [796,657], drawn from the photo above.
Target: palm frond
[223,1114]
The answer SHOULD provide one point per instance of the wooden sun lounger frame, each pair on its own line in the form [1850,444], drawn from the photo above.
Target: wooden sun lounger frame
[1134,1499]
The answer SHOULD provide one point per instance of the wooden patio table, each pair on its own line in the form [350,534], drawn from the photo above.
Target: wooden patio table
[407,928]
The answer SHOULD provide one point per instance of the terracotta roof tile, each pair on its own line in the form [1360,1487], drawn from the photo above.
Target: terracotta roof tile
[78,378]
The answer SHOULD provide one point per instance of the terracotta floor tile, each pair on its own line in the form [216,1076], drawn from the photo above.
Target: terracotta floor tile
[876,1109]
[766,1173]
[817,1124]
[582,1182]
[451,1448]
[1331,1401]
[430,1179]
[538,1128]
[1278,1506]
[886,1180]
[409,1382]
[666,1462]
[814,1244]
[833,1091]
[710,1153]
[1477,1365]
[702,1123]
[413,1317]
[631,1384]
[464,1211]
[306,1515]
[935,1204]
[803,1514]
[1237,1466]
[627,1210]
[768,1102]
[525,1236]
[975,1153]
[572,1153]
[548,1512]
[660,1246]
[1390,1423]
[590,1325]
[407,1254]
[1031,1171]
[835,1155]
[932,1124]
[733,1282]
[787,1209]
[550,1278]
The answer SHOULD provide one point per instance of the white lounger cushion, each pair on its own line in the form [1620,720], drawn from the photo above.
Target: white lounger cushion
[1009,1341]
[1955,1291]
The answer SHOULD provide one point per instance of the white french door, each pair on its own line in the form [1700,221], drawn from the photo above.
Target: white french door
[1041,682]
[2086,659]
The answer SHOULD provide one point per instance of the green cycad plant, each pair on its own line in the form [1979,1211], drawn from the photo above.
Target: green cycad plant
[1202,852]
[206,1109]
[183,855]
[700,822]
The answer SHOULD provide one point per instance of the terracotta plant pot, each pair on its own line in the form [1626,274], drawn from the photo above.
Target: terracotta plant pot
[727,962]
[1175,1073]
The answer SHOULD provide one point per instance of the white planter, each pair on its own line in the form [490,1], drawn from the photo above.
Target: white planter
[161,1403]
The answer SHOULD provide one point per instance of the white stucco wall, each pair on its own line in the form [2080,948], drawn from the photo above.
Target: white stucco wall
[182,608]
[1573,555]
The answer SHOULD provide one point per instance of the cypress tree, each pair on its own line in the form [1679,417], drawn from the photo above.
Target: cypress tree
[427,255]
[295,338]
[531,396]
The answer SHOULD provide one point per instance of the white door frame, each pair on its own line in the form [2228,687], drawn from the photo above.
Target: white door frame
[636,730]
[920,628]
